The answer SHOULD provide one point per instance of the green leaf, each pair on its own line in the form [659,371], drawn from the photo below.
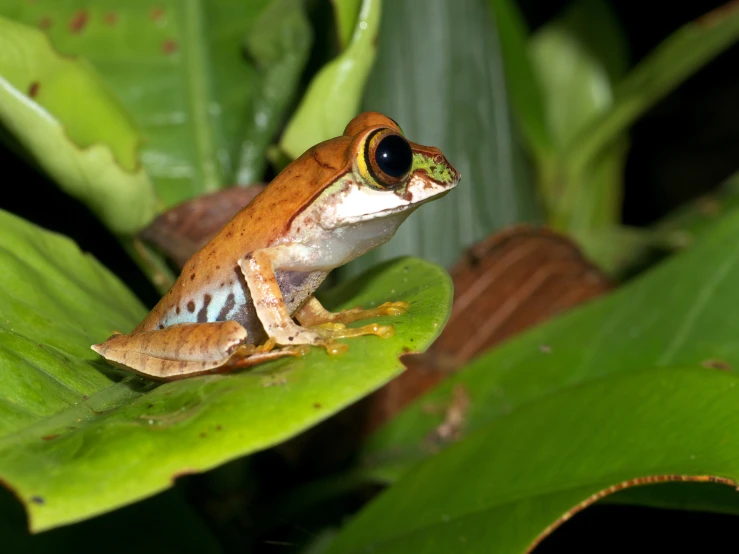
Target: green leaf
[707,497]
[450,93]
[522,83]
[280,42]
[578,59]
[574,75]
[690,223]
[504,487]
[334,94]
[676,314]
[63,115]
[346,13]
[597,27]
[74,442]
[622,248]
[674,60]
[180,69]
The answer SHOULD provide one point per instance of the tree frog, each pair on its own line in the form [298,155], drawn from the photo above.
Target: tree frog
[234,302]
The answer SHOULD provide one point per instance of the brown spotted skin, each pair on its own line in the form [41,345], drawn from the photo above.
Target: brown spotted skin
[263,223]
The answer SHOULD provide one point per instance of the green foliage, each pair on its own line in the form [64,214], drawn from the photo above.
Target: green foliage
[206,114]
[673,316]
[73,127]
[450,93]
[574,101]
[135,107]
[626,387]
[578,58]
[505,484]
[334,94]
[346,13]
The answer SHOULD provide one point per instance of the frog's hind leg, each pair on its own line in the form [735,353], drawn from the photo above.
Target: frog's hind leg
[186,350]
[258,268]
[312,313]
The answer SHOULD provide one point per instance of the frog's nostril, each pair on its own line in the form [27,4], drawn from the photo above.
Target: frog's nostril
[438,159]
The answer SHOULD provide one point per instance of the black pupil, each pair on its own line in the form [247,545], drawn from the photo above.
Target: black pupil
[393,156]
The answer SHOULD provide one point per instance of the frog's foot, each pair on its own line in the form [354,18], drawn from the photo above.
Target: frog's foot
[331,331]
[325,334]
[312,313]
[187,350]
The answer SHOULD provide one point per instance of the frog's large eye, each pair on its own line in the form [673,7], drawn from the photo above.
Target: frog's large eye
[389,158]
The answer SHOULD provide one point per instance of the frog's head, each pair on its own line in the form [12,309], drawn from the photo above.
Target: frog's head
[389,174]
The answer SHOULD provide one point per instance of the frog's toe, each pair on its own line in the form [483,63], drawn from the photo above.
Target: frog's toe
[330,331]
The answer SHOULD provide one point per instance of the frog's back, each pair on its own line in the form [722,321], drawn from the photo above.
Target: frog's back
[211,286]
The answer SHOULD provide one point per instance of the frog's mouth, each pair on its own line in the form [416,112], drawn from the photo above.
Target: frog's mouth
[351,202]
[406,207]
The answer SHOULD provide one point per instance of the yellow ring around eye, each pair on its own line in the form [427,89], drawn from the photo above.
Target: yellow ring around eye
[368,170]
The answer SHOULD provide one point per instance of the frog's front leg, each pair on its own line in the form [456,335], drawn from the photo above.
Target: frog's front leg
[259,268]
[187,349]
[312,313]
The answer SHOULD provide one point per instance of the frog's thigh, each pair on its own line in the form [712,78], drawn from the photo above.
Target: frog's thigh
[258,268]
[313,313]
[178,350]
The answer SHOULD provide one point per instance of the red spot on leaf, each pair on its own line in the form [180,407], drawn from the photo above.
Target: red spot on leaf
[45,22]
[78,22]
[169,46]
[49,437]
[156,14]
[716,364]
[110,18]
[33,89]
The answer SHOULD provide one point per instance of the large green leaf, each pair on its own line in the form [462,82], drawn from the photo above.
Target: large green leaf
[505,486]
[68,121]
[677,314]
[207,113]
[75,441]
[450,93]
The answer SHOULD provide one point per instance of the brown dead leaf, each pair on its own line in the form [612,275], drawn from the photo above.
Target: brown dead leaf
[183,230]
[503,285]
